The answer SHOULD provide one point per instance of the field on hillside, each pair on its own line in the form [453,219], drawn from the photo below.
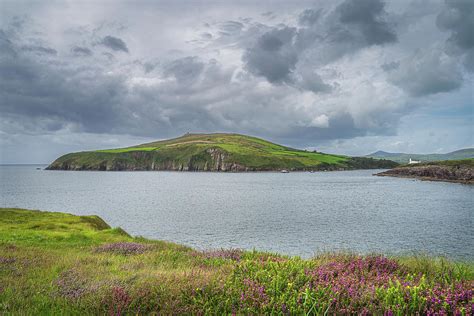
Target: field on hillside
[54,263]
[238,146]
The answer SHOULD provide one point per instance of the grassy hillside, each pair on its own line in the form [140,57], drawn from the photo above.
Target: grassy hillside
[404,158]
[468,163]
[54,263]
[211,152]
[449,170]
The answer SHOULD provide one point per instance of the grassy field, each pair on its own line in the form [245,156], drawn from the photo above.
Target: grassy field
[211,152]
[467,163]
[54,263]
[126,150]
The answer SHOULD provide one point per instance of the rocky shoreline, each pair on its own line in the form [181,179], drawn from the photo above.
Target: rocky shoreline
[459,173]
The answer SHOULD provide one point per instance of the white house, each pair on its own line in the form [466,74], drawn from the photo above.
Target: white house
[413,161]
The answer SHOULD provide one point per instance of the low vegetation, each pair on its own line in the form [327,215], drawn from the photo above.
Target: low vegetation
[212,152]
[54,263]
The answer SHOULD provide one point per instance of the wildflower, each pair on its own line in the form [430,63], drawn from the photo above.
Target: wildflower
[123,248]
[232,254]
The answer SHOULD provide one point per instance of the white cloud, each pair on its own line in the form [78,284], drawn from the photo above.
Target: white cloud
[320,121]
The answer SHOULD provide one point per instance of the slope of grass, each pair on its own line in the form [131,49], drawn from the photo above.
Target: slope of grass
[126,150]
[469,163]
[236,145]
[212,152]
[54,263]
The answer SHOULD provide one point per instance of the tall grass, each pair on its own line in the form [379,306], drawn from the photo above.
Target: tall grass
[54,263]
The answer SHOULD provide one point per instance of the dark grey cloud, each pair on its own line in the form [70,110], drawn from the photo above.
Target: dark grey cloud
[108,55]
[341,126]
[367,16]
[457,17]
[149,67]
[114,43]
[83,98]
[469,61]
[440,70]
[309,16]
[273,56]
[326,35]
[6,46]
[425,74]
[81,51]
[322,38]
[351,26]
[206,35]
[185,69]
[35,90]
[38,49]
[88,100]
[307,79]
[390,66]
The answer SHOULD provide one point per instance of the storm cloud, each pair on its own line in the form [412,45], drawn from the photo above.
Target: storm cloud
[425,74]
[114,43]
[304,75]
[81,51]
[39,49]
[367,17]
[273,56]
[457,17]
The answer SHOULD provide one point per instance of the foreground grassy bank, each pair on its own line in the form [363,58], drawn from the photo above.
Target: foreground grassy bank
[55,263]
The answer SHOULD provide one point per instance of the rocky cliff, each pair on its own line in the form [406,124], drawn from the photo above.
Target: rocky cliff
[211,159]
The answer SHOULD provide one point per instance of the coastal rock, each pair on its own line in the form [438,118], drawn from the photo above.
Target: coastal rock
[454,173]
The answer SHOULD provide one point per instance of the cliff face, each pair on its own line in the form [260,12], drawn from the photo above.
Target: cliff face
[212,159]
[454,173]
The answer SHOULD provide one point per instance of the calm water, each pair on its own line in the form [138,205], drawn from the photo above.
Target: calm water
[295,213]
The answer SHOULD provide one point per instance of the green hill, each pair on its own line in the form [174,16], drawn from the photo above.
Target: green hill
[404,158]
[212,152]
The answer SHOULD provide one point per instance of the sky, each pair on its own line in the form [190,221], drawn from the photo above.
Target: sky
[347,77]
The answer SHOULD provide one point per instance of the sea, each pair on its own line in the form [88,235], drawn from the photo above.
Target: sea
[297,213]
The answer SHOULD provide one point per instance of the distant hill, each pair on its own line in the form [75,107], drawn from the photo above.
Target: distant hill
[404,158]
[212,152]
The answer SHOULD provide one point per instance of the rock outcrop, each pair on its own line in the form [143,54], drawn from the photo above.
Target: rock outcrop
[452,173]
